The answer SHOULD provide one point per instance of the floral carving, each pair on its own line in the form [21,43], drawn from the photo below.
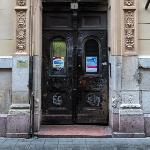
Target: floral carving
[21,2]
[116,101]
[129,2]
[129,30]
[21,31]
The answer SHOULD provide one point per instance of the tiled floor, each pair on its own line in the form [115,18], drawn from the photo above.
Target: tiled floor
[74,131]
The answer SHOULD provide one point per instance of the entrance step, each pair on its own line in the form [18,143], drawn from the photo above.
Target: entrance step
[70,131]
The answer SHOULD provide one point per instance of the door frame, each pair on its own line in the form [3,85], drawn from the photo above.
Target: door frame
[38,65]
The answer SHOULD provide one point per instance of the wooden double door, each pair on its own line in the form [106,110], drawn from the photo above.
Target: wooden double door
[75,67]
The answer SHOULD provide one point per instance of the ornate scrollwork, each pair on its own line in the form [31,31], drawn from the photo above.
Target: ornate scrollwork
[21,2]
[129,30]
[21,31]
[129,2]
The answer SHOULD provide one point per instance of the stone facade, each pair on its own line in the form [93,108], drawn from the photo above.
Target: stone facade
[129,56]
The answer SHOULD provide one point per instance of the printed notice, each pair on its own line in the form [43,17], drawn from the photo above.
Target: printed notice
[58,62]
[22,64]
[91,64]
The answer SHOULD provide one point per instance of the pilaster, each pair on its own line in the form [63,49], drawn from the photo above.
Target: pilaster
[18,119]
[37,65]
[131,118]
[115,59]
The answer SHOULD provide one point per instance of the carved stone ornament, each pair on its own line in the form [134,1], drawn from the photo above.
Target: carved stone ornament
[129,2]
[116,101]
[21,31]
[129,29]
[21,2]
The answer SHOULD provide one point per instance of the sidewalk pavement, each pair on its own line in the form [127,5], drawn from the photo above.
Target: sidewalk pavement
[75,144]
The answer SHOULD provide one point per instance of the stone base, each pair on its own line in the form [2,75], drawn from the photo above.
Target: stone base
[147,124]
[3,123]
[114,123]
[18,125]
[36,122]
[17,135]
[131,121]
[128,135]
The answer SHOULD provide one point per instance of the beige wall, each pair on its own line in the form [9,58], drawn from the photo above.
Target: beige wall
[7,28]
[114,27]
[5,90]
[7,14]
[144,28]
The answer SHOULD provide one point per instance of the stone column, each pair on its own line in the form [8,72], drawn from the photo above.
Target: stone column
[37,57]
[18,120]
[131,120]
[115,59]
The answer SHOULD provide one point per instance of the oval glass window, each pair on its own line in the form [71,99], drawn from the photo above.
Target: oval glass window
[91,56]
[58,56]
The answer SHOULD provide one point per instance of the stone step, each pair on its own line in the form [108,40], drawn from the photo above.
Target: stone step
[69,131]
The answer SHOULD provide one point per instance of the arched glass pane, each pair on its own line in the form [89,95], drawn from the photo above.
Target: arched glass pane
[59,48]
[91,56]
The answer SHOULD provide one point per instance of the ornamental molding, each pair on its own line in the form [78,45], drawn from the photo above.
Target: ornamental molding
[129,26]
[129,29]
[21,2]
[21,26]
[129,3]
[21,31]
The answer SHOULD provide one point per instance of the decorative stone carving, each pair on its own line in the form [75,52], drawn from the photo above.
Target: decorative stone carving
[116,101]
[21,31]
[21,26]
[129,2]
[21,2]
[129,29]
[130,106]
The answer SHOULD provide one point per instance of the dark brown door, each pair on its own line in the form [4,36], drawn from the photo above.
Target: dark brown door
[75,67]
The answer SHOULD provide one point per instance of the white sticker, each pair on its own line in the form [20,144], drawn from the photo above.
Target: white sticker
[58,62]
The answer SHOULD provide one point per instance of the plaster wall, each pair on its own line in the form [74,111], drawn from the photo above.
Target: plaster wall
[5,90]
[144,26]
[7,29]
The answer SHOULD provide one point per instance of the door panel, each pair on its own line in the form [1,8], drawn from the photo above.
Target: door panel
[57,78]
[93,81]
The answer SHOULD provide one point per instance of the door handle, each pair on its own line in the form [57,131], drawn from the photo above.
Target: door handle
[74,89]
[79,66]
[104,63]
